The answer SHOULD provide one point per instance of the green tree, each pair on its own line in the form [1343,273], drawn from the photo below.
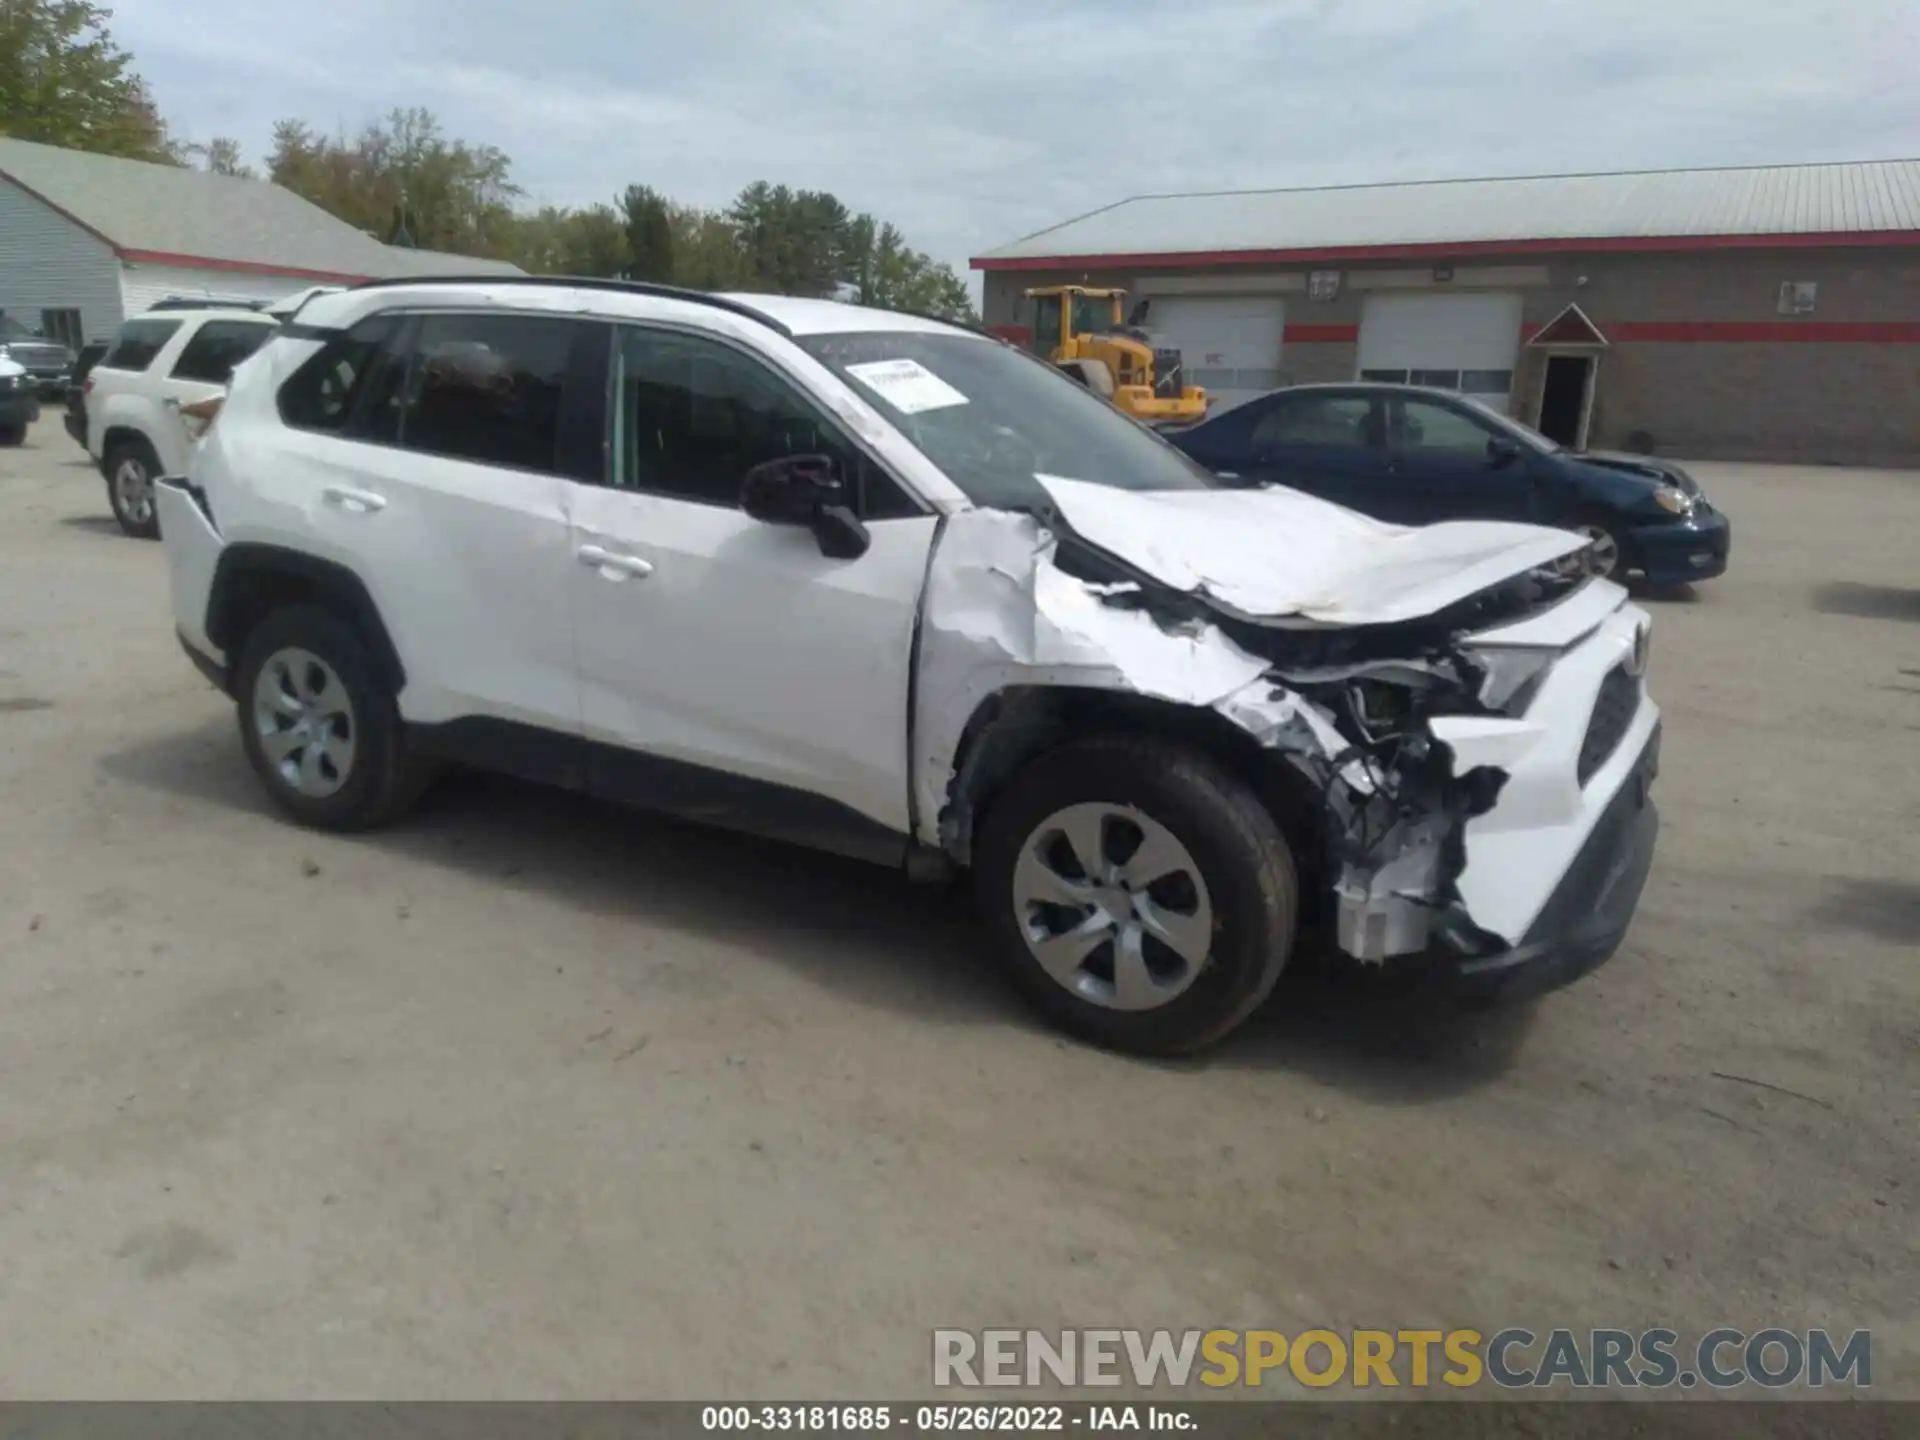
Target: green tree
[404,172]
[649,226]
[63,81]
[220,156]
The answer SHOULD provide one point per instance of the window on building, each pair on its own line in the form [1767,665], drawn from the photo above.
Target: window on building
[216,347]
[63,325]
[1385,377]
[138,342]
[695,415]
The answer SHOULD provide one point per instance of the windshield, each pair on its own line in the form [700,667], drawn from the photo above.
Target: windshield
[12,329]
[1525,434]
[992,417]
[1091,315]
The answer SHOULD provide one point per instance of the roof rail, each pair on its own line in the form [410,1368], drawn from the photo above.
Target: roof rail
[568,282]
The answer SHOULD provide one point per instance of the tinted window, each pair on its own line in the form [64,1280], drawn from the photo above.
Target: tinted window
[1439,429]
[695,415]
[1321,420]
[138,342]
[489,388]
[216,347]
[992,417]
[352,384]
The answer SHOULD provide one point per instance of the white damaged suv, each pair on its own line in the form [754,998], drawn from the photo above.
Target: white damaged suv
[889,587]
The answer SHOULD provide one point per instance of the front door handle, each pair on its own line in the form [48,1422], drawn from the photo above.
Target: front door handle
[612,565]
[357,502]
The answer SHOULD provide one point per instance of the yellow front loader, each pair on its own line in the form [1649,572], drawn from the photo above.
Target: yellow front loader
[1082,330]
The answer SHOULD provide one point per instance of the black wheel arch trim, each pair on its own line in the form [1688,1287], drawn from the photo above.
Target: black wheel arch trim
[242,566]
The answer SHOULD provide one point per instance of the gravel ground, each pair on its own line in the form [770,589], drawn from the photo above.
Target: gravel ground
[530,1098]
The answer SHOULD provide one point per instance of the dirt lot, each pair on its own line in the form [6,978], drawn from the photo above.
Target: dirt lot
[531,1098]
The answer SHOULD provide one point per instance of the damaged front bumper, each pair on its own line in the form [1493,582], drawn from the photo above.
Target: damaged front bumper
[1587,916]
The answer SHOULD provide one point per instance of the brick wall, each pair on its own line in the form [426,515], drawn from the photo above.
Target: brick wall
[1782,397]
[1790,396]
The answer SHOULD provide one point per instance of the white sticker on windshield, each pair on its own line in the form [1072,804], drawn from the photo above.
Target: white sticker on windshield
[906,385]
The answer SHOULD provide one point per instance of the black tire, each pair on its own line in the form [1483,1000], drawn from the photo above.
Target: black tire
[140,453]
[11,435]
[383,781]
[1247,866]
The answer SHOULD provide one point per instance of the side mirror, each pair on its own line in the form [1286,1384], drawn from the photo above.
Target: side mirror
[1502,450]
[805,490]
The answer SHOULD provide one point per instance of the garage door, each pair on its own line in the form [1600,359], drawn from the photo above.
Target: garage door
[1229,344]
[1458,342]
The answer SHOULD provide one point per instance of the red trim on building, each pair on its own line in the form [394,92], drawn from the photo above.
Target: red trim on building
[1838,239]
[1320,334]
[1830,332]
[239,267]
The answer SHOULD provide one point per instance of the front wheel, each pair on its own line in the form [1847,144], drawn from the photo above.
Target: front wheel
[131,469]
[1138,893]
[1605,557]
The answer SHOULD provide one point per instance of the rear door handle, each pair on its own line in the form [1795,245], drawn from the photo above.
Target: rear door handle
[613,565]
[357,502]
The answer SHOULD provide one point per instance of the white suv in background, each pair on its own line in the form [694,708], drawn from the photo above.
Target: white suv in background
[889,587]
[159,364]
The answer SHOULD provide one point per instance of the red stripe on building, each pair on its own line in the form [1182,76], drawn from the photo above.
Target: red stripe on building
[238,267]
[1838,239]
[1321,334]
[1829,332]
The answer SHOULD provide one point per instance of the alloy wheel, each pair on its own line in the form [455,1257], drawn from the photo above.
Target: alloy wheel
[303,718]
[1602,556]
[1113,906]
[133,489]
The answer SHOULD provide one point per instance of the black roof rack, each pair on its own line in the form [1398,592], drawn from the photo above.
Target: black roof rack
[568,282]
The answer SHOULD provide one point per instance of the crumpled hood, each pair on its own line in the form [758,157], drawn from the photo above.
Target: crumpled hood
[1275,554]
[1645,466]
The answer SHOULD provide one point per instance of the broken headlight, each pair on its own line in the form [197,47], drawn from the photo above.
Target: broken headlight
[1513,676]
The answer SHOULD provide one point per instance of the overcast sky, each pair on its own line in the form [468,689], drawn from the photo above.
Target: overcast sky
[972,122]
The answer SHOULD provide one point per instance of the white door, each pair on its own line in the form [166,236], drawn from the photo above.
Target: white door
[197,368]
[1457,342]
[1229,344]
[446,498]
[721,642]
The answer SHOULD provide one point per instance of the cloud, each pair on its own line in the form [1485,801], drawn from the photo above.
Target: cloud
[970,122]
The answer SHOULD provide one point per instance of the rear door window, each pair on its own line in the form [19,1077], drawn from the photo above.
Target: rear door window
[216,347]
[521,391]
[138,342]
[1351,422]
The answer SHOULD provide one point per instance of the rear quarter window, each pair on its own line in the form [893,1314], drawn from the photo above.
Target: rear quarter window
[137,343]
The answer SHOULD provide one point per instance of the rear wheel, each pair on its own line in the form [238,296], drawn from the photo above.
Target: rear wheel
[320,727]
[1138,893]
[13,435]
[131,469]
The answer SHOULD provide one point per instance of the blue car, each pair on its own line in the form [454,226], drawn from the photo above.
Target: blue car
[1414,456]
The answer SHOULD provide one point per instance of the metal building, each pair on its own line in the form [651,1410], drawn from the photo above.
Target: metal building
[1763,313]
[87,240]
